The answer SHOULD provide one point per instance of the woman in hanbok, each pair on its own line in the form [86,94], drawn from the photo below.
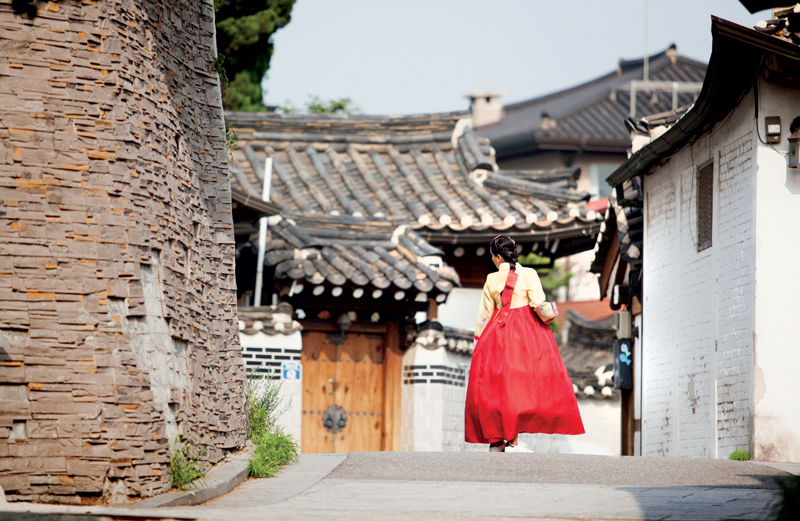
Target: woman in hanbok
[517,380]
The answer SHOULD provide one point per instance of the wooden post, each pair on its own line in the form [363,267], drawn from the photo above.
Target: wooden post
[393,367]
[433,309]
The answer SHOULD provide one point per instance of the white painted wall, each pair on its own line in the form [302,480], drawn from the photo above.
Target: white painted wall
[601,419]
[698,306]
[720,353]
[777,295]
[433,413]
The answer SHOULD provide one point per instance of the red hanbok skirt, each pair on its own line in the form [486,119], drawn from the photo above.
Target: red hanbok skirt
[517,380]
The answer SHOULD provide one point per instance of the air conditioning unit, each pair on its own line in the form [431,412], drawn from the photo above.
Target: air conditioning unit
[622,323]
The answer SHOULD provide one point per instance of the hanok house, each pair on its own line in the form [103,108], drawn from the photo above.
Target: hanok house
[376,210]
[717,356]
[583,126]
[117,290]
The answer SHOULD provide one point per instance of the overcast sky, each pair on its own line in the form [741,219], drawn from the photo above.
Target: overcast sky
[415,56]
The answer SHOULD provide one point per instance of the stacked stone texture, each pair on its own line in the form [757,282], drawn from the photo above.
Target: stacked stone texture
[113,157]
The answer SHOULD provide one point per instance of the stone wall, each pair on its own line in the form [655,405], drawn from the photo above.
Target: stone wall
[117,288]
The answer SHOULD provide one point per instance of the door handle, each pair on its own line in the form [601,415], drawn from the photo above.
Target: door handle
[334,385]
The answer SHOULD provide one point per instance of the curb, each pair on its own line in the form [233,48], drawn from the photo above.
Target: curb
[221,479]
[791,468]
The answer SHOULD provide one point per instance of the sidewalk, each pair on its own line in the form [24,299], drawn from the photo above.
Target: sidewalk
[450,486]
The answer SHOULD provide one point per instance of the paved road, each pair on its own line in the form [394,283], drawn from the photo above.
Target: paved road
[467,486]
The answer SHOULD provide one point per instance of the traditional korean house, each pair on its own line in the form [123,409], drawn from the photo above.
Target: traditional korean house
[380,218]
[429,172]
[583,126]
[715,293]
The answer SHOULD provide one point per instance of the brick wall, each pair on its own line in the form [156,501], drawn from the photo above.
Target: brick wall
[661,327]
[735,297]
[698,325]
[113,165]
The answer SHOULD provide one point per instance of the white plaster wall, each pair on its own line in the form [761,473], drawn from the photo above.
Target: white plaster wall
[698,306]
[291,390]
[660,309]
[777,294]
[433,413]
[461,309]
[603,425]
[583,284]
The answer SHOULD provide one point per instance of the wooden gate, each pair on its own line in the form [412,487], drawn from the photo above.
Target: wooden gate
[344,386]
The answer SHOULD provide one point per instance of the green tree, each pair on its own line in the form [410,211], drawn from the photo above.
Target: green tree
[553,275]
[244,38]
[316,105]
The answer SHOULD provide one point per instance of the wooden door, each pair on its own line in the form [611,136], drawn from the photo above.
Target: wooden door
[343,377]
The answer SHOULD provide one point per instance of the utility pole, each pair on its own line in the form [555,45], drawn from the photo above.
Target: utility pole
[262,233]
[646,56]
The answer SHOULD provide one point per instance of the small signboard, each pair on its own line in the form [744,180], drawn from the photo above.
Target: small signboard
[291,370]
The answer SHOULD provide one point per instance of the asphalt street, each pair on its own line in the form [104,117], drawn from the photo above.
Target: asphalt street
[465,486]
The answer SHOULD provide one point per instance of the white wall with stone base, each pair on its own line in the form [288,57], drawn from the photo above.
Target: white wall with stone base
[720,358]
[266,354]
[434,394]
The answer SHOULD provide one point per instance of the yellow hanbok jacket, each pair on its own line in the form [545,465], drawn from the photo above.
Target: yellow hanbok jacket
[527,292]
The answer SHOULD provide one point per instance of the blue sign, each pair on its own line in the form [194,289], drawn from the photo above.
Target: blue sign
[291,370]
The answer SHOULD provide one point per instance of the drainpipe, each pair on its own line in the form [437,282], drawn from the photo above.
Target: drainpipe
[262,233]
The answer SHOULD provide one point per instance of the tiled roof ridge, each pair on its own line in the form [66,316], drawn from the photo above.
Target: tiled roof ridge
[433,335]
[321,255]
[331,124]
[785,24]
[575,317]
[657,62]
[464,168]
[269,320]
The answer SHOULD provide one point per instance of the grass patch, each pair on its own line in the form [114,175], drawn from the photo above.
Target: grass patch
[273,447]
[184,463]
[788,509]
[739,455]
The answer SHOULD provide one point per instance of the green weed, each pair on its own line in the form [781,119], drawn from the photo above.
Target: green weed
[739,455]
[265,404]
[184,463]
[273,449]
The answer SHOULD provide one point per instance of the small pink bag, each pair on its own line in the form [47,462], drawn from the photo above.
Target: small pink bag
[547,312]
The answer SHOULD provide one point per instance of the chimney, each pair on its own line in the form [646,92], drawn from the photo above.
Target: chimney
[485,107]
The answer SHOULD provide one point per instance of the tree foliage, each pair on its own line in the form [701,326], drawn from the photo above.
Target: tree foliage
[244,38]
[553,275]
[316,105]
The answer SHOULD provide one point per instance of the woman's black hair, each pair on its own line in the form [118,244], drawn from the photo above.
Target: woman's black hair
[505,247]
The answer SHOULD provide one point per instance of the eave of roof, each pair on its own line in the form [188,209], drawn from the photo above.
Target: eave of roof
[736,57]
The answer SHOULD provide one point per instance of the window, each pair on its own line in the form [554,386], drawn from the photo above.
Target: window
[705,205]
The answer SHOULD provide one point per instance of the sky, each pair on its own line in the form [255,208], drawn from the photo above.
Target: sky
[418,56]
